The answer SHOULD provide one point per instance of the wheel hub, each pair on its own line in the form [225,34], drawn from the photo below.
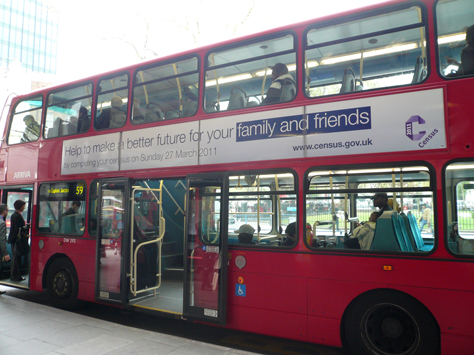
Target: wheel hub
[61,284]
[392,328]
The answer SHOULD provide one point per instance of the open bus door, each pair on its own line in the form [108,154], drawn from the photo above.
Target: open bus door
[148,230]
[205,264]
[9,196]
[113,236]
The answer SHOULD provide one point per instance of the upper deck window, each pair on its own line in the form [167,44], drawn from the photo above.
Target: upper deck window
[68,111]
[26,121]
[241,76]
[455,41]
[368,53]
[112,99]
[166,91]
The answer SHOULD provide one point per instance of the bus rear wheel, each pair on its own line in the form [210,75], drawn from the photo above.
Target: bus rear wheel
[389,322]
[62,284]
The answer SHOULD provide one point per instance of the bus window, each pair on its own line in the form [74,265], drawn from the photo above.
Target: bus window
[241,76]
[68,112]
[166,91]
[455,42]
[374,52]
[112,99]
[261,206]
[26,121]
[61,208]
[338,202]
[460,207]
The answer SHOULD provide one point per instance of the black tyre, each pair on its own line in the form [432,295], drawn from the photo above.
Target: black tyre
[62,284]
[389,322]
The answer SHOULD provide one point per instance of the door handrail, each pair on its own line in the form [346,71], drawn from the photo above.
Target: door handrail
[158,241]
[134,283]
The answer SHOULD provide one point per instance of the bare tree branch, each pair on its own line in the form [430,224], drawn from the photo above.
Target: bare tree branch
[245,18]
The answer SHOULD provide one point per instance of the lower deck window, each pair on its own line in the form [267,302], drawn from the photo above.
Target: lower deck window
[459,182]
[61,208]
[262,207]
[381,209]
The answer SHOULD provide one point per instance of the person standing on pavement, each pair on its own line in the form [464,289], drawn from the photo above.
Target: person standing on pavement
[16,222]
[4,257]
[425,218]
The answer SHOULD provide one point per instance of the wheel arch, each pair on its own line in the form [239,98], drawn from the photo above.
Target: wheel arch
[374,293]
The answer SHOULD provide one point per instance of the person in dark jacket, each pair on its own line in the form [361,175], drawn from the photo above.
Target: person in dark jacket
[16,223]
[280,76]
[381,202]
[290,239]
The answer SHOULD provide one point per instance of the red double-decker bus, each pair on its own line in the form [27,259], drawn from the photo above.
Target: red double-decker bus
[225,184]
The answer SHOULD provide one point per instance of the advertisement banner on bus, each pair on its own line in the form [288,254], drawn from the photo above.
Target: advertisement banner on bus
[390,123]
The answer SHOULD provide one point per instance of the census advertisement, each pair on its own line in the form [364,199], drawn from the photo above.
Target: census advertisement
[390,123]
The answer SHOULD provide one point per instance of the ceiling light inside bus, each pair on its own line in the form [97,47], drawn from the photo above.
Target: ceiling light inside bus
[459,167]
[371,171]
[369,54]
[458,37]
[415,168]
[229,79]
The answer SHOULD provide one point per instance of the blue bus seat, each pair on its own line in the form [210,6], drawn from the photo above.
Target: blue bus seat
[420,244]
[385,238]
[401,233]
[411,238]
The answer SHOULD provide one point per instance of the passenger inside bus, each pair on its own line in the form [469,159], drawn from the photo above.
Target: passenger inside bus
[112,117]
[73,209]
[246,234]
[381,201]
[32,131]
[190,101]
[466,67]
[283,86]
[291,237]
[363,235]
[117,116]
[83,121]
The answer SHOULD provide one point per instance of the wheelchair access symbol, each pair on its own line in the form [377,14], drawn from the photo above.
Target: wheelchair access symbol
[240,290]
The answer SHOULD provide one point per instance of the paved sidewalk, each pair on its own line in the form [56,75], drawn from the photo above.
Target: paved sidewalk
[32,329]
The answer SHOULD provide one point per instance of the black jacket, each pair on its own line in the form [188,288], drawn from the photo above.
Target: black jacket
[16,222]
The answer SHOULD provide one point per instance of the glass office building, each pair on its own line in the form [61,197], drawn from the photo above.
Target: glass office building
[29,34]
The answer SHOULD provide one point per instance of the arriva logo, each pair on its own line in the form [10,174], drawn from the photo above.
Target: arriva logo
[22,175]
[410,130]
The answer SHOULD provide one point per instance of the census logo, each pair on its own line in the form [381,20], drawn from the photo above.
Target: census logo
[410,131]
[409,128]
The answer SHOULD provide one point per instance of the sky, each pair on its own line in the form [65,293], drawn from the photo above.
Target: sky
[100,35]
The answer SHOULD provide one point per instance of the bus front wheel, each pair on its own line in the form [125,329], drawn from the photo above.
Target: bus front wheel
[62,283]
[389,322]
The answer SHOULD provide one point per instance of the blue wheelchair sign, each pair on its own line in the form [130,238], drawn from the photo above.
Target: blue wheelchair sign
[240,290]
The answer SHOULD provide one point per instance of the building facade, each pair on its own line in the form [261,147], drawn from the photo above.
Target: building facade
[29,34]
